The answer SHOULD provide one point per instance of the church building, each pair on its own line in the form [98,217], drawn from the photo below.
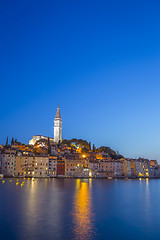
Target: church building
[57,131]
[58,127]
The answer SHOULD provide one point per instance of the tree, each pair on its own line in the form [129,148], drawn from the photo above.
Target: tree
[94,148]
[89,145]
[59,143]
[65,141]
[49,147]
[107,150]
[12,142]
[85,150]
[6,142]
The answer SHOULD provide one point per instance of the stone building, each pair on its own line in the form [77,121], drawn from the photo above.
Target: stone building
[106,168]
[126,167]
[7,165]
[60,168]
[118,168]
[76,168]
[52,166]
[58,126]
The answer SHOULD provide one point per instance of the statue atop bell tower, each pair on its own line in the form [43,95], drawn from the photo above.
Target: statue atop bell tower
[58,127]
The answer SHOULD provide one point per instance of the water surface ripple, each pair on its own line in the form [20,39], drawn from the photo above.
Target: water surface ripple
[79,209]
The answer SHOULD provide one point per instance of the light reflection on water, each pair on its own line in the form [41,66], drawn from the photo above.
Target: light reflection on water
[83,216]
[78,209]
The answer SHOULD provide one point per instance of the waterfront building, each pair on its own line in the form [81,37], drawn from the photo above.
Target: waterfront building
[153,163]
[58,127]
[76,168]
[7,166]
[118,168]
[19,165]
[153,171]
[31,166]
[41,164]
[103,165]
[157,171]
[52,166]
[60,168]
[106,168]
[142,167]
[133,168]
[93,165]
[127,168]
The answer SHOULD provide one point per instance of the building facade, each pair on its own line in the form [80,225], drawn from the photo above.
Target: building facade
[52,166]
[58,127]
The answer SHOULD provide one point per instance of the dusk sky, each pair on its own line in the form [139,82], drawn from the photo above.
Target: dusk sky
[99,60]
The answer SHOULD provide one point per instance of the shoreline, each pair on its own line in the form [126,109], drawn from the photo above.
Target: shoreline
[107,178]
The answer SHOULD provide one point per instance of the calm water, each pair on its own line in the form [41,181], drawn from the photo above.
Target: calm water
[80,209]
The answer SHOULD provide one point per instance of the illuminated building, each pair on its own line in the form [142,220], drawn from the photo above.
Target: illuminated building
[40,137]
[127,167]
[76,168]
[52,166]
[142,167]
[7,166]
[58,126]
[19,165]
[41,166]
[60,168]
[118,168]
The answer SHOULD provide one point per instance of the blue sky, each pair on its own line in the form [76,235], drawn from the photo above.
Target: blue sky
[99,60]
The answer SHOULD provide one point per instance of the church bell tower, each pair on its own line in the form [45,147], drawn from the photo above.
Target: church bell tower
[58,127]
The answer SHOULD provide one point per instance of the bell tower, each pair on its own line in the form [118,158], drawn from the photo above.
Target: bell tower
[58,127]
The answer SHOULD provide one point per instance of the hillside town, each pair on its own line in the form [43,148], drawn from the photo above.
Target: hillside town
[46,157]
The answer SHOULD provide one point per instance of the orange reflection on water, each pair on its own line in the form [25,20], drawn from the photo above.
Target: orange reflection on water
[82,212]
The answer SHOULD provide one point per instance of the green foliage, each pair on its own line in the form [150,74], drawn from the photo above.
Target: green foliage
[65,141]
[76,143]
[86,147]
[59,143]
[116,157]
[12,142]
[94,148]
[85,150]
[106,150]
[6,142]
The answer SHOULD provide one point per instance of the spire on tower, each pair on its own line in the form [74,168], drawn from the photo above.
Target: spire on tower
[58,115]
